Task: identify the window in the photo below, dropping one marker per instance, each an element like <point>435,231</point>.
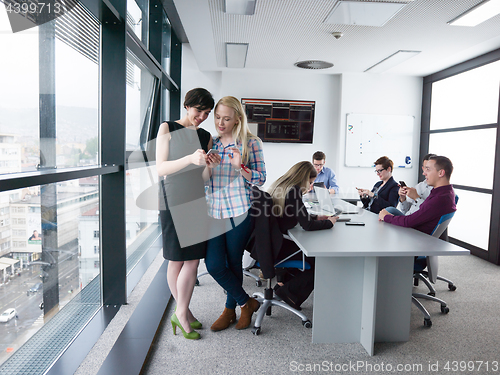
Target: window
<point>466,99</point>
<point>463,125</point>
<point>140,95</point>
<point>138,20</point>
<point>50,121</point>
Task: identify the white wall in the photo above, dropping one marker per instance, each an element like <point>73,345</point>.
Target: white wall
<point>335,96</point>
<point>385,95</point>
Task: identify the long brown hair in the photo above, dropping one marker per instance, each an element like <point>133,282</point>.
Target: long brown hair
<point>298,175</point>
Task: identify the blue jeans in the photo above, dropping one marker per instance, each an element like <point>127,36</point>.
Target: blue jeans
<point>394,211</point>
<point>224,257</point>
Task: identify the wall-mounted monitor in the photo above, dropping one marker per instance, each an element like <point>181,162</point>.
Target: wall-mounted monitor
<point>290,121</point>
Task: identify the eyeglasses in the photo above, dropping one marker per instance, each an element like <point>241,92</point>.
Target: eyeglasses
<point>379,171</point>
<point>319,165</point>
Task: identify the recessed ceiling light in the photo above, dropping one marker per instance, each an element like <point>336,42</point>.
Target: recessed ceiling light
<point>477,14</point>
<point>362,13</point>
<point>236,55</point>
<point>313,64</point>
<point>244,7</point>
<point>391,61</point>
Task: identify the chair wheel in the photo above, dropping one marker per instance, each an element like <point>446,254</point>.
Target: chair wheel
<point>452,287</point>
<point>307,324</point>
<point>258,283</point>
<point>427,323</point>
<point>256,331</point>
<point>433,294</point>
<point>445,309</point>
<point>197,283</point>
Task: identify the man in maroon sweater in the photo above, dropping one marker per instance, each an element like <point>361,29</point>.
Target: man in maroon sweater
<point>441,200</point>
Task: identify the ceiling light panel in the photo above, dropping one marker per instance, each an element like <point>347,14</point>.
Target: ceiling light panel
<point>391,61</point>
<point>236,55</point>
<point>363,13</point>
<point>244,7</point>
<point>477,14</point>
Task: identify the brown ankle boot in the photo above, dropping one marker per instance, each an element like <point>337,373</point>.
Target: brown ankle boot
<point>227,317</point>
<point>247,310</point>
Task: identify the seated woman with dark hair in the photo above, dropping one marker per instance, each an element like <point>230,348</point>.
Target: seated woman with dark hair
<point>287,192</point>
<point>385,192</point>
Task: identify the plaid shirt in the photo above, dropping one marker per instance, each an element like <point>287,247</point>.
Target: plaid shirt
<point>229,192</point>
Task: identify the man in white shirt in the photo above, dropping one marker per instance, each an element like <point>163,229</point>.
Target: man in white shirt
<point>410,198</point>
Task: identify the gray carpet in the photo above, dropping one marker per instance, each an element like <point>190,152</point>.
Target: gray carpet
<point>469,334</point>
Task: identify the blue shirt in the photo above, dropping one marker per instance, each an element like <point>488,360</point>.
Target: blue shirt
<point>327,176</point>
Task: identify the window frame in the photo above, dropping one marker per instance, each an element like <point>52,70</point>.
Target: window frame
<point>493,252</point>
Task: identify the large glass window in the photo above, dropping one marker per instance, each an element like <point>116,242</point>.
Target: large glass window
<point>469,99</point>
<point>466,99</point>
<point>19,98</point>
<point>70,101</point>
<point>138,19</point>
<point>53,245</point>
<point>140,96</point>
<point>471,150</point>
<point>50,260</point>
<point>142,210</point>
<point>471,223</point>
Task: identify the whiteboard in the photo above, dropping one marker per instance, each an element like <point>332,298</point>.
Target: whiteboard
<point>369,137</point>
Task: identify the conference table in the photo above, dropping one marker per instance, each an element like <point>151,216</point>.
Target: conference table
<point>363,277</point>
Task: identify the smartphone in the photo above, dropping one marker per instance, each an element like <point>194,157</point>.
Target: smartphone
<point>345,219</point>
<point>402,184</point>
<point>213,151</point>
<point>354,223</point>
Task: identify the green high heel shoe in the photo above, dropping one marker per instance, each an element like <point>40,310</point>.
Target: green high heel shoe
<point>194,325</point>
<point>175,323</point>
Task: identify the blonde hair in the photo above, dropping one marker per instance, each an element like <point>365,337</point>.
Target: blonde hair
<point>240,131</point>
<point>298,175</point>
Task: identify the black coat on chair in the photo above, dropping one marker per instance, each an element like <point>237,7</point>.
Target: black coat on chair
<point>266,238</point>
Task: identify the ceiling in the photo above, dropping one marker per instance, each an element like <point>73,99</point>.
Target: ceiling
<point>283,32</point>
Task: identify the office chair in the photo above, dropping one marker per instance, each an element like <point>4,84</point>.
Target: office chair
<point>421,274</point>
<point>268,298</point>
<point>431,263</point>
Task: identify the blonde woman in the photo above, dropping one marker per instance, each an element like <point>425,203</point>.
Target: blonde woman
<point>242,164</point>
<point>295,287</point>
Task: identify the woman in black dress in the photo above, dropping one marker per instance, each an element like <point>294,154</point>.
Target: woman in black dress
<point>183,165</point>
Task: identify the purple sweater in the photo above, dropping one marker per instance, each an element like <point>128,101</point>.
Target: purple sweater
<point>440,202</point>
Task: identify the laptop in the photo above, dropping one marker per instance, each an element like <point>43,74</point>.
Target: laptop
<point>324,207</point>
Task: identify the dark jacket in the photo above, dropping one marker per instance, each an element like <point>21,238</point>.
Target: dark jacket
<point>295,212</point>
<point>266,239</point>
<point>386,196</point>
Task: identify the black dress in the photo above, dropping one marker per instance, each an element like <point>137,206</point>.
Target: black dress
<point>182,198</point>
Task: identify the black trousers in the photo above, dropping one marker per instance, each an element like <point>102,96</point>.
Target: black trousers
<point>298,285</point>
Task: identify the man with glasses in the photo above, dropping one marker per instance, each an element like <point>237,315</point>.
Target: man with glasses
<point>325,174</point>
